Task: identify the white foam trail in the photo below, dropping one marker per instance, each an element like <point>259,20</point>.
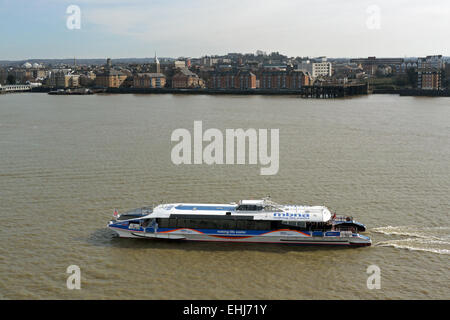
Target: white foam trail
<point>399,245</point>
<point>428,239</point>
<point>419,241</point>
<point>409,231</point>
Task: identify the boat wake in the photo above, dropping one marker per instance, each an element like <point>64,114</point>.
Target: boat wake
<point>431,239</point>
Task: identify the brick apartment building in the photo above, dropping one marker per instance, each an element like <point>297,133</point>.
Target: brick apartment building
<point>232,80</point>
<point>184,78</point>
<point>293,79</point>
<point>429,79</point>
<point>110,79</point>
<point>149,80</point>
<point>430,72</point>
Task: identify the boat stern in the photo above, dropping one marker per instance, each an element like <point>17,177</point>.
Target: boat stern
<point>360,240</point>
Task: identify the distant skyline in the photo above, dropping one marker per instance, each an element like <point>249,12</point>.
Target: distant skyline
<point>138,28</point>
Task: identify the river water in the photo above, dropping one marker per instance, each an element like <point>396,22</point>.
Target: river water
<point>66,162</point>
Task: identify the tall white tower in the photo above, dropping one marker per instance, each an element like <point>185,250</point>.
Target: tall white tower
<point>157,65</point>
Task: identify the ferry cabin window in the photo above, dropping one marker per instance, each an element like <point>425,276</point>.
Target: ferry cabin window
<point>162,222</point>
<point>172,223</point>
<point>182,223</point>
<point>252,225</point>
<point>249,207</point>
<point>166,223</point>
<point>204,224</point>
<point>301,224</point>
<point>222,224</point>
<point>231,224</point>
<point>241,224</point>
<point>263,225</point>
<point>293,225</point>
<point>145,223</point>
<point>196,224</point>
<point>207,224</point>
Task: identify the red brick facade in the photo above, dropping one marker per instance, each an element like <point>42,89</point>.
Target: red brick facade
<point>283,80</point>
<point>232,80</point>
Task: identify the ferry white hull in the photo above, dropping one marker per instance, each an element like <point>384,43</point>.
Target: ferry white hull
<point>275,237</point>
<point>250,221</point>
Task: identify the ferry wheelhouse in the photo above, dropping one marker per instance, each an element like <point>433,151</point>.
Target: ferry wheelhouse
<point>258,221</point>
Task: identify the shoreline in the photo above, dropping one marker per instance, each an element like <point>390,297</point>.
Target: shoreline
<point>320,92</point>
<point>306,92</point>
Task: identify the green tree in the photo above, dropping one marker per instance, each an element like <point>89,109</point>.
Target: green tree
<point>401,80</point>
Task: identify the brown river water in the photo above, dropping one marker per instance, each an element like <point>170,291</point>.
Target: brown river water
<point>67,161</point>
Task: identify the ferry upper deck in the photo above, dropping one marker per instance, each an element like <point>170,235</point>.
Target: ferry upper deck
<point>257,209</point>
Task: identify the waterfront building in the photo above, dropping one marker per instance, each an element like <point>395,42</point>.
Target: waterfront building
<point>370,64</point>
<point>405,66</point>
<point>21,75</point>
<point>294,79</point>
<point>149,80</point>
<point>194,62</point>
<point>321,68</point>
<point>110,79</point>
<point>3,76</point>
<point>430,70</point>
<point>346,71</point>
<point>87,79</point>
<point>184,78</point>
<point>71,81</point>
<point>384,70</point>
<point>232,80</point>
<point>318,68</point>
<point>274,67</point>
<point>429,79</point>
<point>245,80</point>
<point>62,78</point>
<point>431,62</point>
<point>446,77</point>
<point>39,73</point>
<point>179,64</point>
<point>209,61</point>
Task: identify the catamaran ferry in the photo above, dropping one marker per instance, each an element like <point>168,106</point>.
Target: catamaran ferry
<point>257,221</point>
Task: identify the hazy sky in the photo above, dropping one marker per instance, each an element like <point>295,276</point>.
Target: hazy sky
<point>138,28</point>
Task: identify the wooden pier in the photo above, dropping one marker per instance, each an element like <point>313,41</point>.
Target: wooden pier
<point>334,91</point>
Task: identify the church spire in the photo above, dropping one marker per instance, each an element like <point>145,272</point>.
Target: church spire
<point>157,66</point>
